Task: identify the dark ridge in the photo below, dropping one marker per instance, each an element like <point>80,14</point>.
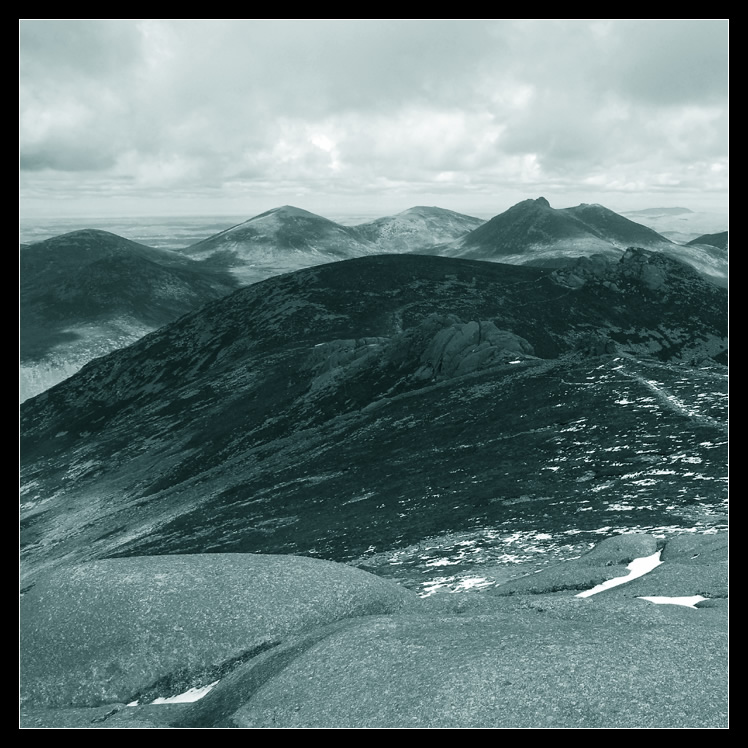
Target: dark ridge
<point>719,240</point>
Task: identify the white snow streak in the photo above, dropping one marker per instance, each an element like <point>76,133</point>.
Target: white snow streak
<point>688,601</point>
<point>193,694</point>
<point>637,568</point>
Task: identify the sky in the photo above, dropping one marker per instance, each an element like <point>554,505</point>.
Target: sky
<point>235,117</point>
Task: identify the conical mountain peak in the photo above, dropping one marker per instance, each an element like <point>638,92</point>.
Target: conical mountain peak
<point>279,240</point>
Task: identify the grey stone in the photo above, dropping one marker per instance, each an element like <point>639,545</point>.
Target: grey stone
<point>608,559</point>
<point>106,631</point>
<point>620,549</point>
<point>486,671</point>
<point>695,548</point>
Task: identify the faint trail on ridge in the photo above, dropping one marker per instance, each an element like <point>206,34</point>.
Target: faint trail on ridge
<point>674,403</point>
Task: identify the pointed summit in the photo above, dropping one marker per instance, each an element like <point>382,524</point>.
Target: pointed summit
<point>527,224</point>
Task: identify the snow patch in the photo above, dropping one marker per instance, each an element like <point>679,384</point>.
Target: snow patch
<point>193,694</point>
<point>637,568</point>
<point>688,601</point>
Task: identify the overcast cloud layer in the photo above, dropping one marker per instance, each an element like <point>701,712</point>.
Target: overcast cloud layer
<point>239,116</point>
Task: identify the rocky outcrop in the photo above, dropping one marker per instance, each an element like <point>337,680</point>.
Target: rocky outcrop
<point>605,561</point>
<point>582,270</point>
<point>462,348</point>
<point>533,667</point>
<point>119,630</point>
<point>692,565</point>
<point>439,347</point>
<point>296,642</point>
<point>647,269</point>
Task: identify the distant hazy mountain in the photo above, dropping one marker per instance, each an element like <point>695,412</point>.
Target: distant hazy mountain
<point>277,241</point>
<point>88,292</point>
<point>416,228</point>
<point>658,212</point>
<point>719,240</point>
<point>533,233</point>
<point>682,226</point>
<point>365,405</point>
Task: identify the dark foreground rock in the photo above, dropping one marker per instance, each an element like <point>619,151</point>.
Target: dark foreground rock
<point>349,650</point>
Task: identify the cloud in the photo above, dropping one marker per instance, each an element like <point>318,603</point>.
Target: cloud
<point>357,104</point>
<point>663,64</point>
<point>64,52</point>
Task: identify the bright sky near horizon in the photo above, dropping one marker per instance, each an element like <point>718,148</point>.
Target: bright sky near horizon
<point>170,116</point>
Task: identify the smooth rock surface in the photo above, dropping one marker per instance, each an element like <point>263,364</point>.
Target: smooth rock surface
<point>692,565</point>
<point>328,646</point>
<point>607,560</point>
<point>482,671</point>
<point>109,630</point>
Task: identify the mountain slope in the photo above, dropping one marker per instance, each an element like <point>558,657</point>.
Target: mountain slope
<point>416,228</point>
<point>712,264</point>
<point>615,228</point>
<point>367,404</point>
<point>277,241</point>
<point>88,292</point>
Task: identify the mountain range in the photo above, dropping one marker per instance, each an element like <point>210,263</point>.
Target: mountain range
<point>532,232</point>
<point>87,292</point>
<point>289,238</point>
<point>199,509</point>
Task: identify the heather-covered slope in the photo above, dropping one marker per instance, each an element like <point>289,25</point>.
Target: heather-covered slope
<point>361,406</point>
